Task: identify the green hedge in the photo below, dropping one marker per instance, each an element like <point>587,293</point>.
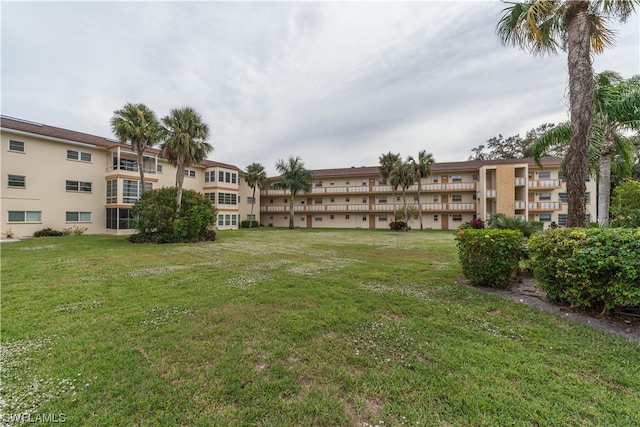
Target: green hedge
<point>245,224</point>
<point>490,257</point>
<point>584,267</point>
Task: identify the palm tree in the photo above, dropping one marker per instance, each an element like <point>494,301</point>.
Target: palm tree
<point>256,177</point>
<point>293,177</point>
<point>422,169</point>
<point>387,163</point>
<point>184,142</point>
<point>137,124</point>
<point>616,112</point>
<point>403,176</point>
<point>579,27</point>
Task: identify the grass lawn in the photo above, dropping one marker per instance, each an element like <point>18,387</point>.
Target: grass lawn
<point>276,327</point>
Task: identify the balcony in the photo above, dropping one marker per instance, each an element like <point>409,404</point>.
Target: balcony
<point>491,194</point>
<point>545,206</point>
<point>545,183</point>
<point>388,208</point>
<point>358,189</point>
<point>520,205</point>
<point>520,182</point>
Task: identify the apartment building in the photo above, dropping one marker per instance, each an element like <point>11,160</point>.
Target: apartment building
<point>454,193</point>
<point>59,178</point>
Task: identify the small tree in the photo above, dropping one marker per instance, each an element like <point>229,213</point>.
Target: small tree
<point>161,220</point>
<point>294,178</point>
<point>625,205</point>
<point>403,176</point>
<point>256,177</point>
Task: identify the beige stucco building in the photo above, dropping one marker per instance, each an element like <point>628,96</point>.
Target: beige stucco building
<point>454,193</point>
<point>58,178</point>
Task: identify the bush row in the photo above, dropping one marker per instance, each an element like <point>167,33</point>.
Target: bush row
<point>245,224</point>
<point>50,232</point>
<point>586,267</point>
<point>582,267</point>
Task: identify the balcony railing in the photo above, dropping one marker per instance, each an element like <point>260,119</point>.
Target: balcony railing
<point>520,205</point>
<point>455,186</point>
<point>545,206</point>
<point>491,194</point>
<point>445,207</point>
<point>544,183</point>
<point>520,181</point>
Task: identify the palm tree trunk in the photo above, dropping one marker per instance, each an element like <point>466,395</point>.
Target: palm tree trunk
<point>291,212</point>
<point>179,184</point>
<point>604,185</point>
<point>393,196</point>
<point>253,202</point>
<point>141,170</point>
<point>404,198</point>
<point>581,105</point>
<point>419,204</point>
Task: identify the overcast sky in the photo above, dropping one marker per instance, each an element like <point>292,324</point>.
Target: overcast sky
<point>336,83</point>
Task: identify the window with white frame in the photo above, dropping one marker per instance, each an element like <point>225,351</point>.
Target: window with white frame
<point>435,218</point>
<point>234,178</point>
<point>332,199</point>
<point>364,217</point>
<point>457,217</point>
<point>251,200</point>
<point>221,219</point>
<point>318,218</point>
<point>382,181</point>
<point>415,198</point>
<point>364,200</point>
<point>562,220</point>
<point>364,182</point>
<point>347,199</point>
<point>544,175</point>
<point>382,217</point>
<point>456,178</point>
<point>382,199</point>
<point>562,197</point>
<point>190,173</point>
<point>131,190</point>
<point>17,181</point>
<point>346,216</point>
<point>78,186</point>
<point>82,156</point>
<point>456,197</point>
<point>544,196</point>
<point>347,182</point>
<point>546,217</point>
<point>227,199</point>
<point>24,216</point>
<point>318,200</point>
<point>317,184</point>
<point>332,216</point>
<point>211,196</point>
<point>435,179</point>
<point>210,176</point>
<point>78,217</point>
<point>112,191</point>
<point>159,168</point>
<point>17,146</point>
<point>435,198</point>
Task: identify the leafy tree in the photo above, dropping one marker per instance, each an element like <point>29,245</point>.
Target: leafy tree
<point>184,142</point>
<point>616,112</point>
<point>293,177</point>
<point>137,124</point>
<point>160,219</point>
<point>403,176</point>
<point>387,163</point>
<point>514,147</point>
<point>579,27</point>
<point>422,169</point>
<point>256,177</point>
<point>625,205</point>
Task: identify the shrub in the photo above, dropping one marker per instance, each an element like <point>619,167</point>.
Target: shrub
<point>584,267</point>
<point>503,222</point>
<point>245,224</point>
<point>398,226</point>
<point>75,230</point>
<point>490,257</point>
<point>48,232</point>
<point>160,221</point>
<point>8,234</point>
<point>625,205</point>
<point>477,223</point>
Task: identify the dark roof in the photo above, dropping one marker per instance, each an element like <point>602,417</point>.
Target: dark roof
<point>435,168</point>
<point>85,138</point>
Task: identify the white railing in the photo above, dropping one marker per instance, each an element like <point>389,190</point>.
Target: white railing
<point>543,183</point>
<point>491,193</point>
<point>520,181</point>
<point>520,205</point>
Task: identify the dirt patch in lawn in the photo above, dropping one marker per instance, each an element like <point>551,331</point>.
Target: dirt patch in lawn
<point>524,289</point>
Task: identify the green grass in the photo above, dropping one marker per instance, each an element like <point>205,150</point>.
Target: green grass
<point>276,327</point>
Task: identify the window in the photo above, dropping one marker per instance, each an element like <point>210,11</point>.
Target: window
<point>227,219</point>
<point>78,217</point>
<point>475,177</point>
<point>456,198</point>
<point>159,168</point>
<point>456,178</point>
<point>112,191</point>
<point>190,173</point>
<point>251,200</point>
<point>562,197</point>
<point>234,219</point>
<point>346,216</point>
<point>347,199</point>
<point>221,179</point>
<point>397,198</point>
<point>251,217</point>
<point>332,199</point>
<point>435,198</point>
<point>457,217</point>
<point>435,218</point>
<point>364,217</point>
<point>545,217</point>
<point>234,180</point>
<point>80,186</point>
<point>227,199</point>
<point>227,178</point>
<point>318,218</point>
<point>331,217</point>
<point>331,182</point>
<point>221,219</point>
<point>415,198</point>
<point>544,175</point>
<point>364,200</point>
<point>587,196</point>
<point>382,218</point>
<point>561,176</point>
<point>210,176</point>
<point>270,200</point>
<point>317,184</point>
<point>78,155</point>
<point>364,182</point>
<point>435,179</point>
<point>562,220</point>
<point>25,216</point>
<point>347,182</point>
<point>382,181</point>
<point>211,196</point>
<point>17,181</point>
<point>544,196</point>
<point>131,190</point>
<point>382,199</point>
<point>16,145</point>
<point>318,200</point>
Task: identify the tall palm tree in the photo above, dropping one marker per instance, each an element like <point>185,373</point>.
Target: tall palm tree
<point>137,124</point>
<point>293,177</point>
<point>387,163</point>
<point>256,177</point>
<point>616,112</point>
<point>422,169</point>
<point>579,27</point>
<point>184,142</point>
<point>403,176</point>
